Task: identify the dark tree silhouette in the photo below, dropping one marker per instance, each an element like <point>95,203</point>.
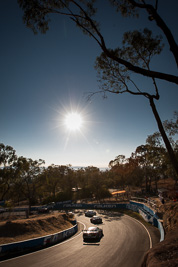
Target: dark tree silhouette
<point>134,57</point>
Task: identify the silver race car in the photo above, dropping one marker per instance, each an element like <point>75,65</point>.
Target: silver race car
<point>92,233</point>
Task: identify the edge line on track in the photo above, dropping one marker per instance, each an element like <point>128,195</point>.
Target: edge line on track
<point>143,227</point>
<point>52,246</point>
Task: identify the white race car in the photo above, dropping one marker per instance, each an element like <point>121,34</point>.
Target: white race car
<point>92,233</point>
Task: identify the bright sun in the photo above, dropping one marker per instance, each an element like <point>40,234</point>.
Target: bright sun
<point>73,121</point>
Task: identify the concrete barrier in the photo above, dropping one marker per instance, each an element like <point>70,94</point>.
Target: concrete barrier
<point>36,243</point>
<point>147,213</point>
<point>150,216</point>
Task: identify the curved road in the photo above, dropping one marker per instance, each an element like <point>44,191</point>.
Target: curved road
<point>124,244</point>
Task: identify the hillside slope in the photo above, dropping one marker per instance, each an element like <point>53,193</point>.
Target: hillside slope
<point>16,229</point>
<point>165,253</point>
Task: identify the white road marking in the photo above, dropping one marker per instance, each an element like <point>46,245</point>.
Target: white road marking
<point>63,242</point>
<point>52,246</point>
<point>143,227</point>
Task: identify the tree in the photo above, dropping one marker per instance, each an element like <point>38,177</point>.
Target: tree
<point>81,12</point>
<point>120,159</point>
<point>7,155</point>
<point>161,156</point>
<point>94,183</point>
<point>119,168</point>
<point>114,78</point>
<point>7,159</point>
<point>67,178</point>
<point>82,183</point>
<point>115,65</point>
<point>27,172</point>
<point>142,156</point>
<point>52,178</point>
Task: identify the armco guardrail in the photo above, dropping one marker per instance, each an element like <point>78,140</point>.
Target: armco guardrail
<point>36,243</point>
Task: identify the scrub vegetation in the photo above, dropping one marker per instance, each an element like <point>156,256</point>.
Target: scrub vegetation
<point>18,229</point>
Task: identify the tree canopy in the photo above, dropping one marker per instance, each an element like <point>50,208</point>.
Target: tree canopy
<point>36,16</point>
<point>26,179</point>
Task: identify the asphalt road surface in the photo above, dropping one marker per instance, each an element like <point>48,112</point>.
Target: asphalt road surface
<point>124,244</point>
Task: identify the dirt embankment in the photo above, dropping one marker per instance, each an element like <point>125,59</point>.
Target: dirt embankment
<point>165,253</point>
<point>16,229</point>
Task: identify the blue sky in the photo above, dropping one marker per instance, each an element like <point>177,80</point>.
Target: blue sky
<point>44,77</point>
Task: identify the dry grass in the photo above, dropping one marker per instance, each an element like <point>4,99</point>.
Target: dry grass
<point>16,229</point>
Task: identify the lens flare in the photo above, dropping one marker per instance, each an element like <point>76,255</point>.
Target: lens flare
<point>73,121</point>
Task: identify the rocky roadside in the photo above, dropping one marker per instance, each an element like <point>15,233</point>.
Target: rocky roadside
<point>165,253</point>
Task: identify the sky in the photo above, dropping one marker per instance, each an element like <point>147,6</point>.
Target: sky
<point>45,77</point>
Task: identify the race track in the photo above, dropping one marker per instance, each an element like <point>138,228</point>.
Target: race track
<point>124,244</point>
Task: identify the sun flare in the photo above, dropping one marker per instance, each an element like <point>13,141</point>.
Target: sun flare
<point>73,121</point>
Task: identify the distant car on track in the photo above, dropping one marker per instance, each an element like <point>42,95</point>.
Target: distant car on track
<point>92,233</point>
<point>96,219</point>
<point>90,213</point>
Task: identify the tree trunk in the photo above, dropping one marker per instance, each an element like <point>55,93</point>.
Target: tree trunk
<point>164,136</point>
<point>5,192</point>
<point>156,183</point>
<point>146,183</point>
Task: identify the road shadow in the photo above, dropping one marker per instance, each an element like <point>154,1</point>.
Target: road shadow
<point>110,215</point>
<point>98,224</point>
<point>91,243</point>
<point>79,213</point>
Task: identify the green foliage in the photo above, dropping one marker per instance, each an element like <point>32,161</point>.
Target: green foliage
<point>48,199</point>
<point>26,179</point>
<point>7,155</point>
<point>59,197</point>
<point>149,162</point>
<point>7,174</point>
<point>84,193</point>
